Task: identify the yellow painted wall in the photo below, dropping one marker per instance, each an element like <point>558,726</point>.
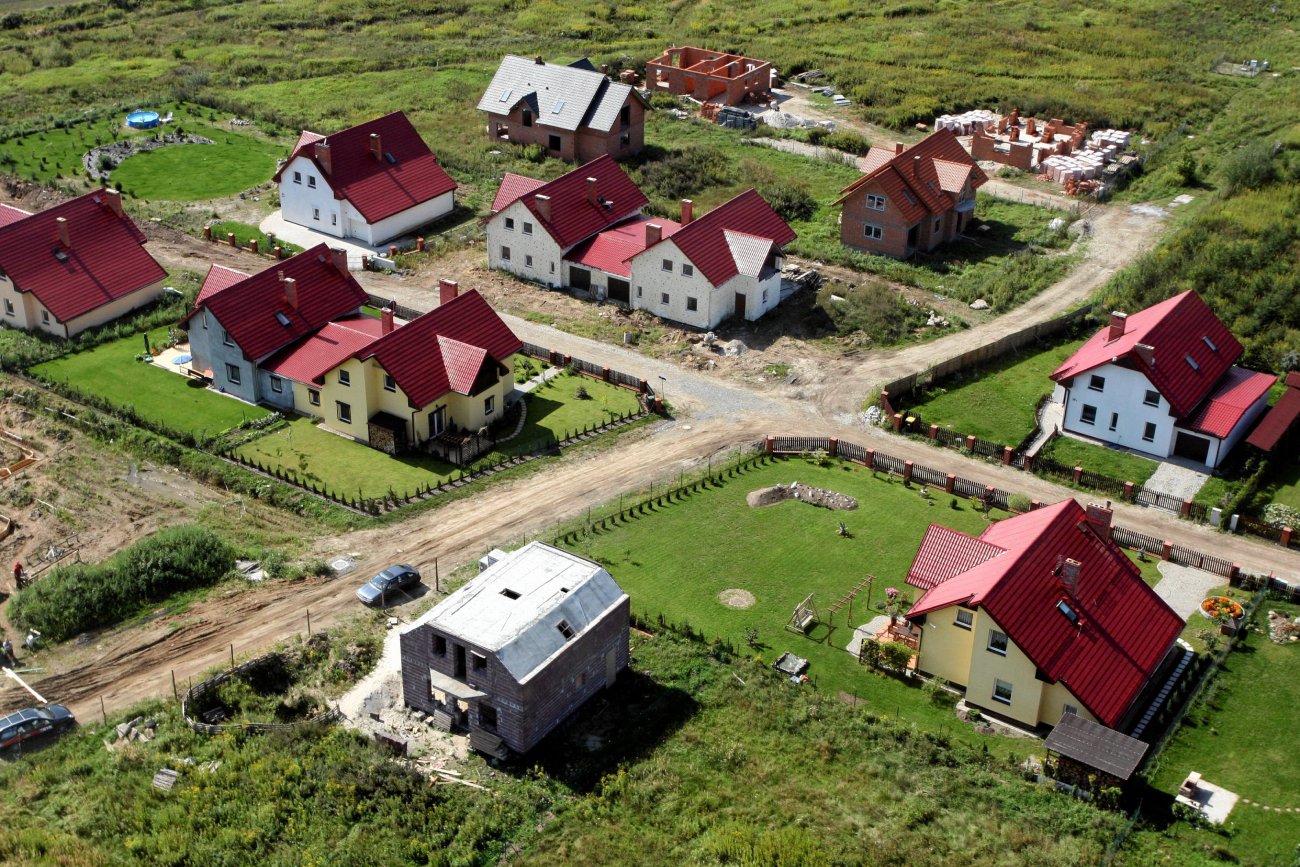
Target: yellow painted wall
<point>1053,701</point>
<point>27,310</point>
<point>302,400</point>
<point>946,647</point>
<point>356,395</point>
<point>1015,668</point>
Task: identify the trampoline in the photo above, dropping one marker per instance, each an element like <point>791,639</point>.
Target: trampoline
<point>142,119</point>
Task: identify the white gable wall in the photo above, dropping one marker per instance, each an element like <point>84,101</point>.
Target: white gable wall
<point>314,208</point>
<point>401,223</point>
<point>547,267</point>
<point>1122,395</point>
<point>650,282</point>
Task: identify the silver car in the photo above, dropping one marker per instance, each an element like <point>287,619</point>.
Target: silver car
<point>377,589</point>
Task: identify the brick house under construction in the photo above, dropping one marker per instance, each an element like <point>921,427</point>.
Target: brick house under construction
<point>911,199</point>
<point>705,75</point>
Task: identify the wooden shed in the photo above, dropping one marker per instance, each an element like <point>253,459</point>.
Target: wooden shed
<point>1091,755</point>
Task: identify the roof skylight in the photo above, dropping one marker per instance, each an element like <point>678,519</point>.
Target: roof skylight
<point>1070,614</point>
<point>1191,362</point>
<point>281,318</point>
<point>1210,343</point>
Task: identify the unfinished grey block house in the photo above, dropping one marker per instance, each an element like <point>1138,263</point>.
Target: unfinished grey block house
<point>514,652</point>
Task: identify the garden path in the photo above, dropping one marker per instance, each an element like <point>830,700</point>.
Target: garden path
<point>1177,480</point>
<point>1183,588</point>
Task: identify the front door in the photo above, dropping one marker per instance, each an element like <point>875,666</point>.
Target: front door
<point>620,290</point>
<point>740,305</point>
<point>611,666</point>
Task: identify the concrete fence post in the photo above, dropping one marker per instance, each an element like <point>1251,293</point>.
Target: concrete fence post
<point>833,447</point>
<point>1007,453</point>
<point>1286,537</point>
<point>230,239</point>
<point>950,483</point>
<point>252,245</point>
<point>604,373</point>
<point>279,252</point>
<point>898,422</point>
<point>1234,571</point>
<point>1166,550</point>
<point>884,400</point>
<point>1128,491</point>
<point>392,250</point>
<point>769,445</point>
<point>1029,463</point>
<point>970,443</point>
<point>1185,509</point>
<point>907,471</point>
<point>934,431</point>
<point>870,460</point>
<point>989,491</point>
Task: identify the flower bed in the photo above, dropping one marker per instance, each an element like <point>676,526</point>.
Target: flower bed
<point>1221,606</point>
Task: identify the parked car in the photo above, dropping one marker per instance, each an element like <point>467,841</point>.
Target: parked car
<point>400,577</point>
<point>34,727</point>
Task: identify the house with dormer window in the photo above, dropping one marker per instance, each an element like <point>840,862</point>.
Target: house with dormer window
<point>514,652</point>
<point>1042,615</point>
<point>373,182</point>
<point>910,199</point>
<point>1163,381</point>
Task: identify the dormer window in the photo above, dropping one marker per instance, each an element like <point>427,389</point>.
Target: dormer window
<point>1191,362</point>
<point>1070,614</point>
<point>1210,343</point>
<point>565,629</point>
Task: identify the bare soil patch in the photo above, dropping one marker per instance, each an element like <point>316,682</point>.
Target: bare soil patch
<point>803,493</point>
<point>736,598</point>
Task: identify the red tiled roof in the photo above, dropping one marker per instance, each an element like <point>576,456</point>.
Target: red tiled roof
<point>376,186</point>
<point>573,217</point>
<point>946,553</point>
<point>1123,631</point>
<point>512,187</point>
<point>106,261</point>
<point>932,172</point>
<point>1235,394</point>
<point>247,309</point>
<point>10,214</point>
<point>611,250</point>
<point>218,278</point>
<point>426,366</point>
<point>325,349</point>
<point>1176,329</point>
<point>704,241</point>
<point>1280,418</point>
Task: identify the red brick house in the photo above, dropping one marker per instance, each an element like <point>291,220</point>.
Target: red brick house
<point>711,75</point>
<point>576,112</point>
<point>912,198</point>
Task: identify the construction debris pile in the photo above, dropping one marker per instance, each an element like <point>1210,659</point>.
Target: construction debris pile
<point>138,729</point>
<point>965,123</point>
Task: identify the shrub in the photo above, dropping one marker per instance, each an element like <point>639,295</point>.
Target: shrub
<point>82,596</point>
<point>1281,515</point>
<point>682,173</point>
<point>791,199</point>
<point>936,690</point>
<point>1019,503</point>
<point>1249,167</point>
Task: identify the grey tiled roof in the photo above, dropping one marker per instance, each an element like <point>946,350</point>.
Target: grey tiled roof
<point>564,97</point>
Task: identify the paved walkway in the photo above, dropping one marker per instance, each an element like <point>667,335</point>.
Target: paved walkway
<point>1050,420</point>
<point>1183,587</point>
<point>304,237</point>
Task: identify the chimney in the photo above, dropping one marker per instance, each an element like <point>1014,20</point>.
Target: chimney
<point>899,147</point>
<point>114,200</point>
<point>1117,321</point>
<point>591,191</point>
<point>1099,518</point>
<point>1014,132</point>
<point>291,292</point>
<point>1146,353</point>
<point>688,212</point>
<point>376,146</point>
<point>538,60</point>
<point>447,291</point>
<point>653,232</point>
<point>604,69</point>
<point>340,259</point>
<point>916,167</point>
<point>323,157</point>
<point>1070,574</point>
<point>543,203</point>
<point>63,232</point>
<point>386,321</point>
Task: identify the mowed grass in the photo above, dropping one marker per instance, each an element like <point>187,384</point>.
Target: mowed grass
<point>675,561</point>
<point>1282,485</point>
<point>315,456</point>
<point>1099,459</point>
<point>995,402</point>
<point>111,371</point>
<point>1237,738</point>
<point>188,172</point>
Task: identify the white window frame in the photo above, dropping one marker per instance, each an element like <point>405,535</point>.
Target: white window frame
<point>510,224</point>
<point>872,231</point>
<point>665,299</point>
<point>528,261</point>
<point>343,411</point>
<point>692,304</point>
<point>277,384</point>
<point>311,182</point>
<point>876,202</point>
<point>505,253</point>
<point>345,378</point>
<point>1146,398</point>
<point>1149,432</point>
<point>297,177</point>
<point>225,338</point>
<point>667,265</point>
<point>964,619</point>
<point>233,376</point>
<point>1114,420</point>
<point>1000,685</point>
<point>313,396</point>
<point>688,270</point>
<point>390,384</point>
<point>1097,383</point>
<point>45,317</point>
<point>489,404</point>
<point>10,311</point>
<point>1084,414</point>
<point>315,214</point>
<point>989,644</point>
<point>528,228</point>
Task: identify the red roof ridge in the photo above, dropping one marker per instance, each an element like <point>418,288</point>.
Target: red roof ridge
<point>939,146</point>
<point>572,217</point>
<point>703,240</point>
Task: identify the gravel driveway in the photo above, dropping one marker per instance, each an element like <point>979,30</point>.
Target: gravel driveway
<point>1183,587</point>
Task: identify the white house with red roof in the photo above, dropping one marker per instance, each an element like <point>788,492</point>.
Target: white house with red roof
<point>239,321</point>
<point>1043,615</point>
<point>74,266</point>
<point>585,231</point>
<point>373,182</point>
<point>910,199</point>
<point>1162,382</point>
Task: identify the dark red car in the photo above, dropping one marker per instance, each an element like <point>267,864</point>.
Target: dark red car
<point>30,729</point>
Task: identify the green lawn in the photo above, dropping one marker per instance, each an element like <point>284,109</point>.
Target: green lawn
<point>1237,737</point>
<point>112,372</point>
<point>675,560</point>
<point>1098,459</point>
<point>1282,485</point>
<point>995,402</point>
<point>183,173</point>
<point>351,469</point>
<point>244,232</point>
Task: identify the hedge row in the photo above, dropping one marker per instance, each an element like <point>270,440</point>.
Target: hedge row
<point>82,596</point>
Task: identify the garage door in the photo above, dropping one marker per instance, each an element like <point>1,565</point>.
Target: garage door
<point>1191,447</point>
<point>619,290</point>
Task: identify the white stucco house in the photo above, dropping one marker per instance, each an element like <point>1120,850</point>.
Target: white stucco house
<point>585,231</point>
<point>1162,381</point>
<point>372,182</point>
